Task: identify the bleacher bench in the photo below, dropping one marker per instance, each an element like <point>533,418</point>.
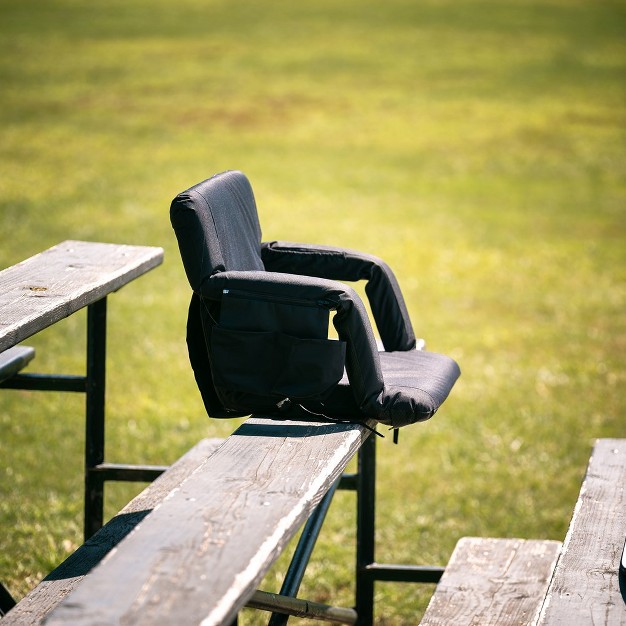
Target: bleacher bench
<point>493,582</point>
<point>513,582</point>
<point>35,606</point>
<point>587,588</point>
<point>201,554</point>
<point>223,513</point>
<point>12,361</point>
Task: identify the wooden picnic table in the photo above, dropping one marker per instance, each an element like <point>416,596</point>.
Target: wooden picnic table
<point>50,286</point>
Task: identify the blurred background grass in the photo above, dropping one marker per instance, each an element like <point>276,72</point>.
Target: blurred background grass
<point>478,146</point>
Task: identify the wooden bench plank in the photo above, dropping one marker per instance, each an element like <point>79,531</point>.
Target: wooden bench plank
<point>493,582</point>
<point>15,359</point>
<point>61,280</point>
<point>58,584</point>
<point>586,588</point>
<point>199,557</point>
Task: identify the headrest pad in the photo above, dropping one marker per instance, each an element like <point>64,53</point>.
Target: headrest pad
<point>217,227</point>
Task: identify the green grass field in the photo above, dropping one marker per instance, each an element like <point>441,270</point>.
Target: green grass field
<point>478,146</point>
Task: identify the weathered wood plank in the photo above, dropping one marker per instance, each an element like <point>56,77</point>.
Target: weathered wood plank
<point>58,584</point>
<point>493,582</point>
<point>63,279</point>
<point>585,589</point>
<point>15,359</point>
<point>199,557</point>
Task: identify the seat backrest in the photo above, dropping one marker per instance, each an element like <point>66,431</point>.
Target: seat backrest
<point>217,227</point>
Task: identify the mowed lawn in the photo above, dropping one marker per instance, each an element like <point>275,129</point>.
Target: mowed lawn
<point>478,146</point>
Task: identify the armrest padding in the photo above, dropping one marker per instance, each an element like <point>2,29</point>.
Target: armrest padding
<point>382,289</point>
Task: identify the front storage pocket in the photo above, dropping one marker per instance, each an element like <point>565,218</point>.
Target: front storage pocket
<point>249,365</point>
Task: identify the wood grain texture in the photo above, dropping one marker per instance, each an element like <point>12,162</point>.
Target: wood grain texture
<point>53,284</point>
<point>493,582</point>
<point>585,589</point>
<point>58,584</point>
<point>200,555</point>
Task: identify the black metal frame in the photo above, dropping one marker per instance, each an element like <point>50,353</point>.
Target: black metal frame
<point>368,571</point>
<point>93,385</point>
<point>6,601</point>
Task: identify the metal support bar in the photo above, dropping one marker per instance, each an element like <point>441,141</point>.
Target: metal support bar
<point>128,473</point>
<point>94,435</point>
<point>404,573</point>
<point>46,382</point>
<point>367,570</point>
<point>93,385</point>
<point>348,482</point>
<point>6,600</point>
<point>301,608</point>
<point>303,551</point>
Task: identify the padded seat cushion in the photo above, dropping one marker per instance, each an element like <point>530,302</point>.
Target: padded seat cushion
<point>217,227</point>
<point>416,384</point>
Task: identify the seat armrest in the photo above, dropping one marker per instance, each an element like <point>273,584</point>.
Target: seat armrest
<point>351,320</point>
<point>273,284</point>
<point>382,289</point>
